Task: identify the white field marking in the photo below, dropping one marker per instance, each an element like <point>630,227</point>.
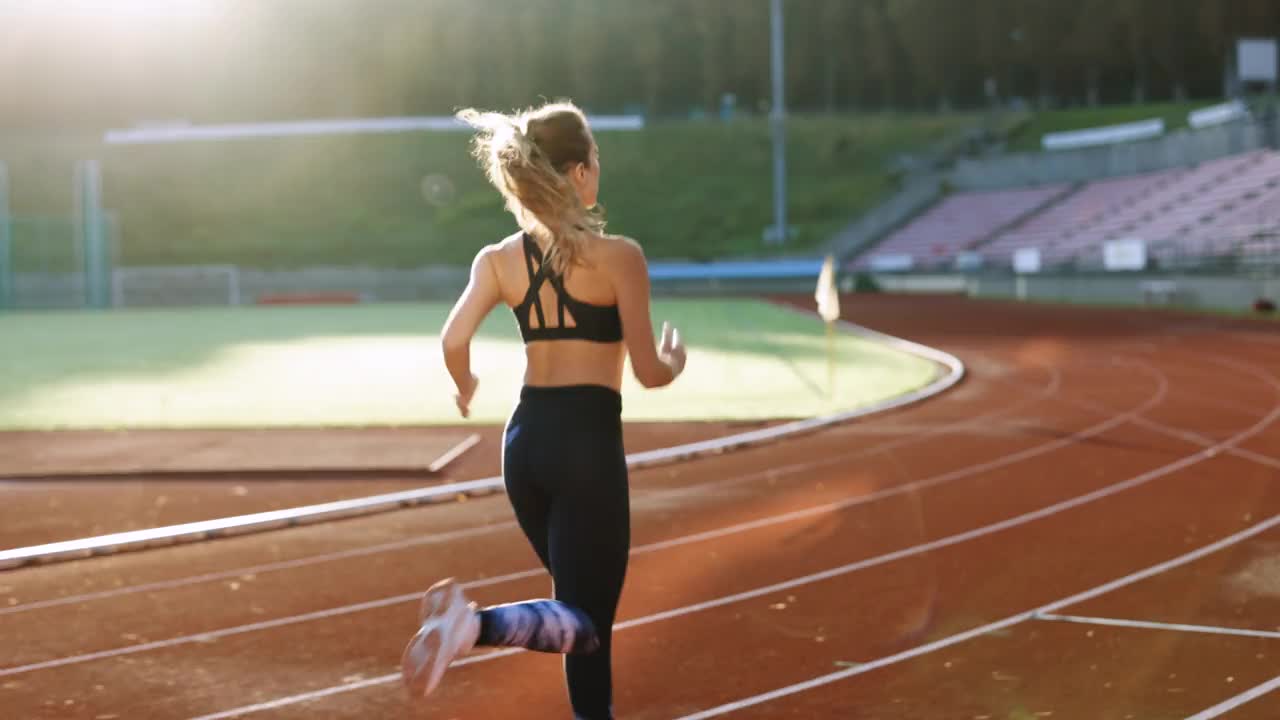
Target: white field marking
<point>264,568</point>
<point>958,638</point>
<point>1149,625</point>
<point>1230,704</point>
<point>348,687</point>
<point>1049,390</point>
<point>880,560</point>
<point>1051,607</point>
<point>946,642</point>
<point>254,627</point>
<point>767,521</point>
<point>1187,435</point>
<point>355,507</point>
<point>238,524</point>
<point>454,453</point>
<point>1205,441</point>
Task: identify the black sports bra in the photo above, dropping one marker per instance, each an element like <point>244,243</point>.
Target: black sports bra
<point>594,323</point>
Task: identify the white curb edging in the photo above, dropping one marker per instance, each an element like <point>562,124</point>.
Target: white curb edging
<point>341,509</point>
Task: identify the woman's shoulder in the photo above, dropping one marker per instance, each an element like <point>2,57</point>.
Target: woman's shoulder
<point>511,244</point>
<point>619,257</point>
<point>620,245</point>
<point>514,240</point>
<point>496,256</point>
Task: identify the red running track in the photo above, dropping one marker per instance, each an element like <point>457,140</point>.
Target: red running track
<point>1088,527</point>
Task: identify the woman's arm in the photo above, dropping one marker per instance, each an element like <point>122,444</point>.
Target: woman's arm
<point>630,274</point>
<point>480,297</point>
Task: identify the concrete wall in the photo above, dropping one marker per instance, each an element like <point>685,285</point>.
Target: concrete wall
<point>1193,291</point>
<point>939,283</point>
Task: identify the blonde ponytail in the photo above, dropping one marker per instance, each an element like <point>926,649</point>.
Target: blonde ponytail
<point>526,157</point>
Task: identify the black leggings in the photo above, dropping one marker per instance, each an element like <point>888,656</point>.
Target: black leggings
<point>566,477</point>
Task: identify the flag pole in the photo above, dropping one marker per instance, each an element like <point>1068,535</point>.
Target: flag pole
<point>828,298</point>
<point>831,360</point>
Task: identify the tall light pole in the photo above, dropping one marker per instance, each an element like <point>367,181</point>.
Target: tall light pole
<point>777,121</point>
<point>6,241</point>
<point>92,234</point>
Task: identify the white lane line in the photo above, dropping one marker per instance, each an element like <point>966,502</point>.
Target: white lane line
<point>1015,619</point>
<point>723,709</point>
<point>1230,704</point>
<point>264,568</point>
<point>1190,436</point>
<point>321,693</point>
<point>348,687</point>
<point>1149,625</point>
<point>1205,441</point>
<point>220,527</point>
<point>1050,389</point>
<point>890,557</point>
<point>958,638</point>
<point>767,521</point>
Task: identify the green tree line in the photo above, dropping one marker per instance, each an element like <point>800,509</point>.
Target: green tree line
<point>232,60</point>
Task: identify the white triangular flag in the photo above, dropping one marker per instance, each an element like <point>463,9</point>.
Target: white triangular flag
<point>827,296</point>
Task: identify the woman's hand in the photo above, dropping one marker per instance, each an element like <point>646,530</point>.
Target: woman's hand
<point>671,350</point>
<point>464,395</point>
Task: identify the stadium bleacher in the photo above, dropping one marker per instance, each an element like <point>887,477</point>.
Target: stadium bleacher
<point>1210,209</point>
<point>958,223</point>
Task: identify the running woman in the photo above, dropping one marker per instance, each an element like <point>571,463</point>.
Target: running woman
<point>581,300</point>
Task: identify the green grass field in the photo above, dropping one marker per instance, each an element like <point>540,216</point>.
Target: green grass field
<point>380,365</point>
<point>1027,138</point>
<point>686,190</point>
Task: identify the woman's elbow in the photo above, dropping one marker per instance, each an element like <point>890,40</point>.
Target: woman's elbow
<point>453,343</point>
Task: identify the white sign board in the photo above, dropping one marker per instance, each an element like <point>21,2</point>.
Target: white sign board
<point>1127,254</point>
<point>1026,260</point>
<point>1256,59</point>
<point>969,260</point>
<point>892,263</point>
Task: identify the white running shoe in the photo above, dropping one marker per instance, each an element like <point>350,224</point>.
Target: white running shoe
<point>448,629</point>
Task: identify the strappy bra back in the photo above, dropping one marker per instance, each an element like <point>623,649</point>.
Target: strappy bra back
<point>593,323</point>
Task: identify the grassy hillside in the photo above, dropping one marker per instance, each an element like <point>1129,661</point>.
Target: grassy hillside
<point>685,190</point>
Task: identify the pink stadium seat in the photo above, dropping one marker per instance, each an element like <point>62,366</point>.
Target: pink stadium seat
<point>1180,213</point>
<point>960,221</point>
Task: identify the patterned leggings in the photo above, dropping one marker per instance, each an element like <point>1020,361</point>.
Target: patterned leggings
<point>543,625</point>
